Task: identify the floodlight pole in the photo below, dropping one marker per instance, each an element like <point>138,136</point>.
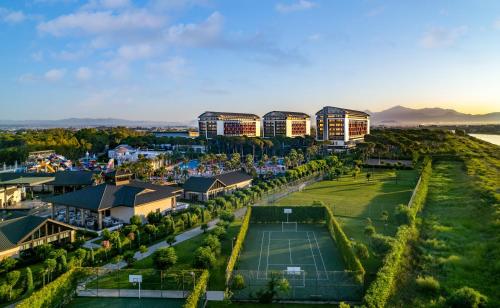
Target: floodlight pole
<point>139,290</point>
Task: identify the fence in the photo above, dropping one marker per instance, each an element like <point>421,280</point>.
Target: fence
<point>317,286</point>
<point>103,282</point>
<point>274,195</point>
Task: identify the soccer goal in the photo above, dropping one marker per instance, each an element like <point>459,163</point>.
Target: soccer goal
<point>288,226</point>
<point>295,276</point>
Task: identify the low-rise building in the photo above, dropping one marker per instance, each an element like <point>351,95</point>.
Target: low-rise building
<point>286,124</point>
<point>342,128</point>
<point>198,188</point>
<point>120,198</point>
<point>125,153</point>
<point>212,124</point>
<point>177,133</point>
<point>26,232</point>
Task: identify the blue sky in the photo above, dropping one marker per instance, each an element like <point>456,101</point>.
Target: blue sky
<point>172,60</point>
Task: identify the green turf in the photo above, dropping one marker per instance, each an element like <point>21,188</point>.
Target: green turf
<point>459,240</point>
<point>357,197</point>
<point>83,302</point>
<point>258,305</point>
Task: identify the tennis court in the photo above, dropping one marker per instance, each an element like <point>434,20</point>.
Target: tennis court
<point>304,254</point>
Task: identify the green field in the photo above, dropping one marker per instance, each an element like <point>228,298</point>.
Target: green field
<point>358,197</point>
<point>354,199</point>
<point>184,252</point>
<point>98,302</point>
<point>459,241</point>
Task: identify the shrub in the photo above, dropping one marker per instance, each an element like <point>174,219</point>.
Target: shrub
<point>361,251</point>
<point>29,281</point>
<point>428,284</point>
<point>466,297</point>
<point>403,215</point>
<point>165,257</point>
<point>227,216</point>
<point>238,282</point>
<point>204,257</point>
<point>238,245</point>
<point>381,243</point>
<point>198,290</point>
<point>136,220</point>
<point>219,232</point>
<point>213,242</point>
<point>204,227</point>
<point>370,230</point>
<point>143,248</point>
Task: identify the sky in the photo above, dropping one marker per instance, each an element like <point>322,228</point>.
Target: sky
<point>171,60</point>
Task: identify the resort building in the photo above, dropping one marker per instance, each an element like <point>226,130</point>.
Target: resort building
<point>125,153</point>
<point>25,232</point>
<point>212,124</point>
<point>286,124</point>
<point>177,134</point>
<point>199,188</point>
<point>119,198</point>
<point>343,128</point>
<point>14,186</point>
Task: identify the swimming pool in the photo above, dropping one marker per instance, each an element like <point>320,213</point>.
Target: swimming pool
<point>192,164</point>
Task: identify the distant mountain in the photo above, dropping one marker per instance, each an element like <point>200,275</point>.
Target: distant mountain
<point>87,122</point>
<point>404,116</point>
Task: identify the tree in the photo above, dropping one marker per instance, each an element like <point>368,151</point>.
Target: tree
<point>204,258</point>
<point>50,266</point>
<point>275,286</point>
<point>220,232</point>
<point>164,258</point>
<point>170,240</point>
<point>12,278</point>
<point>43,251</point>
<point>143,248</point>
<point>128,256</point>
<point>136,220</point>
<point>227,216</point>
<point>361,251</point>
<point>204,227</point>
<point>7,264</point>
<point>29,281</point>
<point>403,215</point>
<point>368,176</point>
<point>238,282</point>
<point>467,297</point>
<point>63,263</point>
<point>80,255</point>
<point>213,242</point>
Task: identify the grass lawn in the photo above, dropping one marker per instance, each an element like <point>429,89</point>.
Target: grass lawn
<point>257,305</point>
<point>354,199</point>
<point>459,244</point>
<point>185,251</point>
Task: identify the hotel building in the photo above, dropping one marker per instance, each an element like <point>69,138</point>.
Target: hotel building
<point>343,128</point>
<point>212,124</point>
<point>287,124</point>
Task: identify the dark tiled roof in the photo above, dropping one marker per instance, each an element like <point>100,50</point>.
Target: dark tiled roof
<point>60,177</point>
<point>229,115</point>
<point>199,184</point>
<point>329,109</point>
<point>105,196</point>
<point>13,230</point>
<point>203,184</point>
<point>234,177</point>
<point>287,114</point>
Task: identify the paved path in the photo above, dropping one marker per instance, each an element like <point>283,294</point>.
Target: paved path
<point>132,293</point>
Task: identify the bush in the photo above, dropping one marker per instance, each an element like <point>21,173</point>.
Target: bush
<point>238,282</point>
<point>219,232</point>
<point>403,215</point>
<point>361,251</point>
<point>213,243</point>
<point>227,216</point>
<point>204,257</point>
<point>198,290</point>
<point>466,297</point>
<point>238,245</point>
<point>381,244</point>
<point>165,257</point>
<point>136,220</point>
<point>428,284</point>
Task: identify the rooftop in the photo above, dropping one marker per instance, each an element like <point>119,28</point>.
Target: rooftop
<point>287,114</point>
<point>338,110</point>
<point>223,115</point>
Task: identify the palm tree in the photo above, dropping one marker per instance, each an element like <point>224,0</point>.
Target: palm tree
<point>185,173</point>
<point>215,169</point>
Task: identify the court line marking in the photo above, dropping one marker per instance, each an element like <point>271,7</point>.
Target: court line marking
<point>290,251</point>
<point>268,243</point>
<point>312,253</point>
<point>321,256</point>
<point>281,264</point>
<point>260,256</point>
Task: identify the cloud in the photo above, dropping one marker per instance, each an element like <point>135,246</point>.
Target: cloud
<point>102,23</point>
<point>174,67</point>
<point>439,37</point>
<point>300,5</point>
<point>37,56</point>
<point>54,75</point>
<point>11,17</point>
<point>314,37</point>
<point>202,34</point>
<point>106,4</point>
<point>83,73</point>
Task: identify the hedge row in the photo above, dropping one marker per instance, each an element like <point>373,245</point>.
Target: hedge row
<point>303,214</point>
<point>350,259</point>
<point>238,245</point>
<point>382,287</point>
<point>199,289</point>
<point>56,293</point>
